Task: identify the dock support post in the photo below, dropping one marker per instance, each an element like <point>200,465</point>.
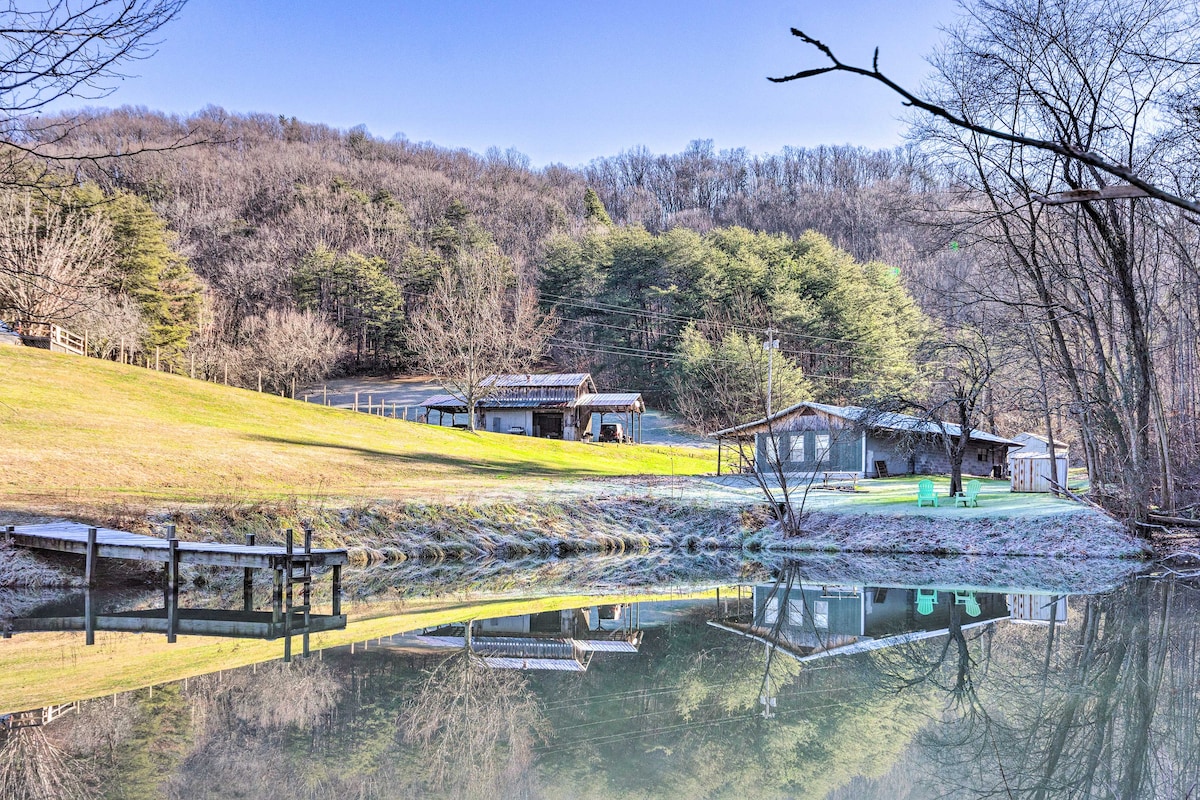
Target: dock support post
<point>89,618</point>
<point>89,565</point>
<point>277,596</point>
<point>289,546</point>
<point>172,585</point>
<point>337,590</point>
<point>248,580</point>
<point>306,591</point>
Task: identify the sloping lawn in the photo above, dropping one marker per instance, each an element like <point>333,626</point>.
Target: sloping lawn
<point>75,431</point>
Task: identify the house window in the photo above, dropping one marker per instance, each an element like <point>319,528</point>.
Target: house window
<point>797,448</point>
<point>771,611</point>
<point>821,448</point>
<point>821,614</point>
<point>796,611</point>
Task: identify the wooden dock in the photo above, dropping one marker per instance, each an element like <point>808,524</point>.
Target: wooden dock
<point>73,537</point>
<point>291,566</point>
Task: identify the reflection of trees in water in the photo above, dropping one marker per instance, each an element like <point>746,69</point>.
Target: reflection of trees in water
<point>32,767</point>
<point>1104,707</point>
<point>474,728</point>
<point>253,730</point>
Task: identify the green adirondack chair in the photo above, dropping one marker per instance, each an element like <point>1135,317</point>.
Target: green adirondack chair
<point>970,496</point>
<point>925,600</point>
<point>925,493</point>
<point>969,602</point>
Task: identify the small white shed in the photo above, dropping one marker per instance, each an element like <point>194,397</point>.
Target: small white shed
<point>1031,472</point>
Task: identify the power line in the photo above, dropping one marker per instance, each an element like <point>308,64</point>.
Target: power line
<point>652,355</point>
<point>596,305</point>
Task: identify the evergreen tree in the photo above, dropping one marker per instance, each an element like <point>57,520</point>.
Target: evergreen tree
<point>594,210</point>
<point>356,292</point>
<point>147,268</point>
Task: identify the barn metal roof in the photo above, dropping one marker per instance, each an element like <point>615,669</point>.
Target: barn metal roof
<point>551,664</point>
<point>625,401</point>
<point>530,379</point>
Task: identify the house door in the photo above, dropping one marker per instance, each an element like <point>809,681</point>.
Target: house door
<point>548,426</point>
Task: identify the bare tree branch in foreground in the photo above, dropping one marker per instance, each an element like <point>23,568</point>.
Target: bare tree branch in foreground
<point>1067,150</point>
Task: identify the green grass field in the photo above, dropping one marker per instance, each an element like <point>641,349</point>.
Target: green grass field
<point>77,431</point>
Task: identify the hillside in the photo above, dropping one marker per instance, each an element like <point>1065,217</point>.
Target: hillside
<point>76,431</point>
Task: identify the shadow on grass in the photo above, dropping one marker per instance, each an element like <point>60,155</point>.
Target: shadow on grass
<point>480,467</point>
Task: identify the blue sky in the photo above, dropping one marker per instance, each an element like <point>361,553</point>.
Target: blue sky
<point>559,81</point>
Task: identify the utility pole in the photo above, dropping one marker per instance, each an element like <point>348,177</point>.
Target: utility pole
<point>770,345</point>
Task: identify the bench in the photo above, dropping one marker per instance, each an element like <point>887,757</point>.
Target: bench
<point>841,481</point>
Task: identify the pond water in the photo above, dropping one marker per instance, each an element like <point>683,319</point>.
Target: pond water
<point>804,678</point>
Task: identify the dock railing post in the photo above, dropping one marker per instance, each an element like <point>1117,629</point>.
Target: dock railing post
<point>9,530</point>
<point>248,580</point>
<point>337,590</point>
<point>89,566</point>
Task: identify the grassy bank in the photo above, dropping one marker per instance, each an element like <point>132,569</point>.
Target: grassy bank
<point>78,433</point>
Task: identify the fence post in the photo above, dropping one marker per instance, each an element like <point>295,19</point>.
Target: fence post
<point>325,394</point>
<point>157,354</point>
<point>192,372</point>
<point>260,380</point>
<point>356,401</point>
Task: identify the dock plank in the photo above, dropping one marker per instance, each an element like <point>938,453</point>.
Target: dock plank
<point>72,537</point>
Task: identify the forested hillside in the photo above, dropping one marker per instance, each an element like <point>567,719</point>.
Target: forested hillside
<point>291,227</point>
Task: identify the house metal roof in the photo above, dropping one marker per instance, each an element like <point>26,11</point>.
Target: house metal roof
<point>881,420</point>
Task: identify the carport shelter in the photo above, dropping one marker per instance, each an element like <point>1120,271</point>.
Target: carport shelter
<point>552,406</point>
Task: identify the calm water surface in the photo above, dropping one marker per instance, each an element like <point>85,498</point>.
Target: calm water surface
<point>785,682</point>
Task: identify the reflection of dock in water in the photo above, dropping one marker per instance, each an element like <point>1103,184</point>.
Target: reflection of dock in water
<point>292,568</point>
<point>560,641</point>
<point>181,621</point>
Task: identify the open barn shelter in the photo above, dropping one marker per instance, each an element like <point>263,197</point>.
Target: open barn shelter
<point>812,437</point>
<point>550,406</point>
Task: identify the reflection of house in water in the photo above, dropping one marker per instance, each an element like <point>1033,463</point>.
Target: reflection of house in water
<point>1038,609</point>
<point>813,622</point>
<point>563,640</point>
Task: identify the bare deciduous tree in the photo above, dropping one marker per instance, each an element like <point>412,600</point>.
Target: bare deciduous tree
<point>52,262</point>
<point>288,345</point>
<point>475,324</point>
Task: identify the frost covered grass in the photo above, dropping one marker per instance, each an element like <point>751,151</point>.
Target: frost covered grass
<point>656,527</point>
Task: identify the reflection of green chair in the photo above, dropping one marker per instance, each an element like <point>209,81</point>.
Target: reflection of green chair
<point>925,493</point>
<point>968,601</point>
<point>925,600</point>
<point>970,497</point>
